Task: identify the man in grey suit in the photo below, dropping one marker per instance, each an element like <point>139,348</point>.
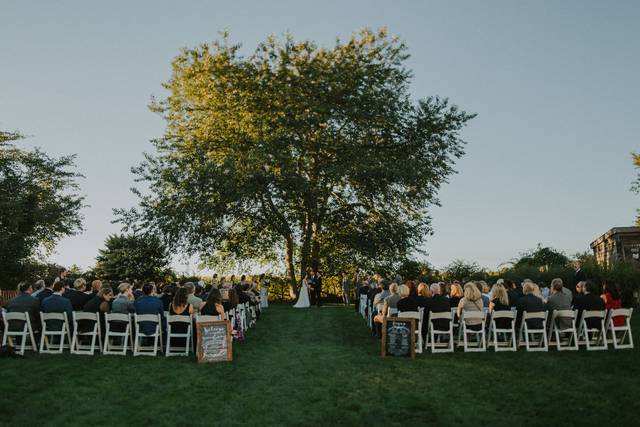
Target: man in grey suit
<point>559,300</point>
<point>25,303</point>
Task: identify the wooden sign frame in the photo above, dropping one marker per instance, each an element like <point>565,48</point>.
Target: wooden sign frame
<point>200,325</point>
<point>412,339</point>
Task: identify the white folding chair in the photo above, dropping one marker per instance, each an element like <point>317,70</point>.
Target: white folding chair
<point>61,334</point>
<point>138,348</point>
<point>613,330</point>
<point>465,331</point>
<point>26,333</point>
<point>593,338</point>
<point>418,317</point>
<point>363,305</point>
<point>528,334</point>
<point>433,333</point>
<point>172,321</point>
<point>76,346</point>
<point>556,333</point>
<point>508,344</point>
<point>391,311</point>
<point>114,322</point>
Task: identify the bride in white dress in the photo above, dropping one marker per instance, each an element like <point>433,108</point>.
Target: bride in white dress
<point>303,297</point>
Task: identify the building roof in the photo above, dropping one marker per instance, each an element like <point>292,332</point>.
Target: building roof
<point>615,231</point>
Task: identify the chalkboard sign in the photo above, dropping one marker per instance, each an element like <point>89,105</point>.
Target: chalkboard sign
<point>214,341</point>
<point>398,337</point>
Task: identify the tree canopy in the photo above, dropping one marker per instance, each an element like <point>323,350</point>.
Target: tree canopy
<point>132,256</point>
<point>542,257</point>
<point>39,204</point>
<point>316,153</point>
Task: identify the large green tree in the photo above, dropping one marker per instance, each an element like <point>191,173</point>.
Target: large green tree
<point>131,256</point>
<point>39,204</point>
<point>319,154</point>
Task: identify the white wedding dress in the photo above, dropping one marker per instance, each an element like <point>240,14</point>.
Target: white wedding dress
<point>303,298</point>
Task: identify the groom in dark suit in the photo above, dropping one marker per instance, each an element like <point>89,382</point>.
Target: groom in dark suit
<point>317,279</point>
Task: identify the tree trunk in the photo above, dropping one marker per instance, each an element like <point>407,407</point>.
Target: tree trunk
<point>288,259</point>
<point>315,246</point>
<point>306,245</point>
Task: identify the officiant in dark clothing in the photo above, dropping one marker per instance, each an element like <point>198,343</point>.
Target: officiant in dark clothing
<point>579,276</point>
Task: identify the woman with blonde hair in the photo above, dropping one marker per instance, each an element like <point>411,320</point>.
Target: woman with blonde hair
<point>423,290</point>
<point>455,294</point>
<point>472,301</point>
<point>536,291</point>
<point>500,302</point>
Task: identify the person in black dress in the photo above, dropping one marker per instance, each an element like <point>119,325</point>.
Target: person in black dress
<point>180,307</point>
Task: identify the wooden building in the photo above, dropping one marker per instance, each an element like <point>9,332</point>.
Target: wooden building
<point>617,244</point>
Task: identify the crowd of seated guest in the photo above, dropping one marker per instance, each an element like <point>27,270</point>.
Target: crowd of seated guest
<point>63,295</point>
<point>478,296</point>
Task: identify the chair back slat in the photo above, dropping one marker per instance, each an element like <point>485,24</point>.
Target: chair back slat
<point>81,315</point>
<point>440,315</point>
<point>569,314</point>
<point>15,316</point>
<point>205,318</point>
<point>535,315</point>
<point>178,318</point>
<point>626,312</point>
<point>590,314</point>
<point>53,316</point>
<point>147,318</point>
<point>120,317</point>
<point>503,314</point>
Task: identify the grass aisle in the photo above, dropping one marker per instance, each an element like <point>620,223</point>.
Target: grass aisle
<point>321,367</point>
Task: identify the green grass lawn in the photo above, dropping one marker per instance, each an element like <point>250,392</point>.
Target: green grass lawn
<point>322,367</point>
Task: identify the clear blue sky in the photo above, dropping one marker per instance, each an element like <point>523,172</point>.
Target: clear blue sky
<point>554,83</point>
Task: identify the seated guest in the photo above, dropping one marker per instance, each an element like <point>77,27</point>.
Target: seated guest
<point>378,300</point>
<point>123,303</point>
<point>79,298</point>
<point>56,303</point>
<point>96,285</point>
<point>537,292</point>
<point>471,302</point>
<point>611,297</point>
<point>406,303</point>
<point>363,289</point>
<point>500,302</point>
<point>392,300</point>
<point>486,292</point>
<point>168,292</point>
<point>213,306</point>
<point>149,304</point>
<point>180,305</point>
<point>46,292</point>
<point>512,293</point>
<point>455,294</point>
<point>232,299</point>
<point>192,299</point>
<point>544,290</point>
<point>25,303</point>
<point>37,288</point>
<point>437,303</point>
<point>69,287</point>
<point>137,289</point>
<point>589,301</point>
<point>424,294</point>
<point>531,304</point>
<point>485,298</point>
<point>559,300</point>
<point>98,304</point>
